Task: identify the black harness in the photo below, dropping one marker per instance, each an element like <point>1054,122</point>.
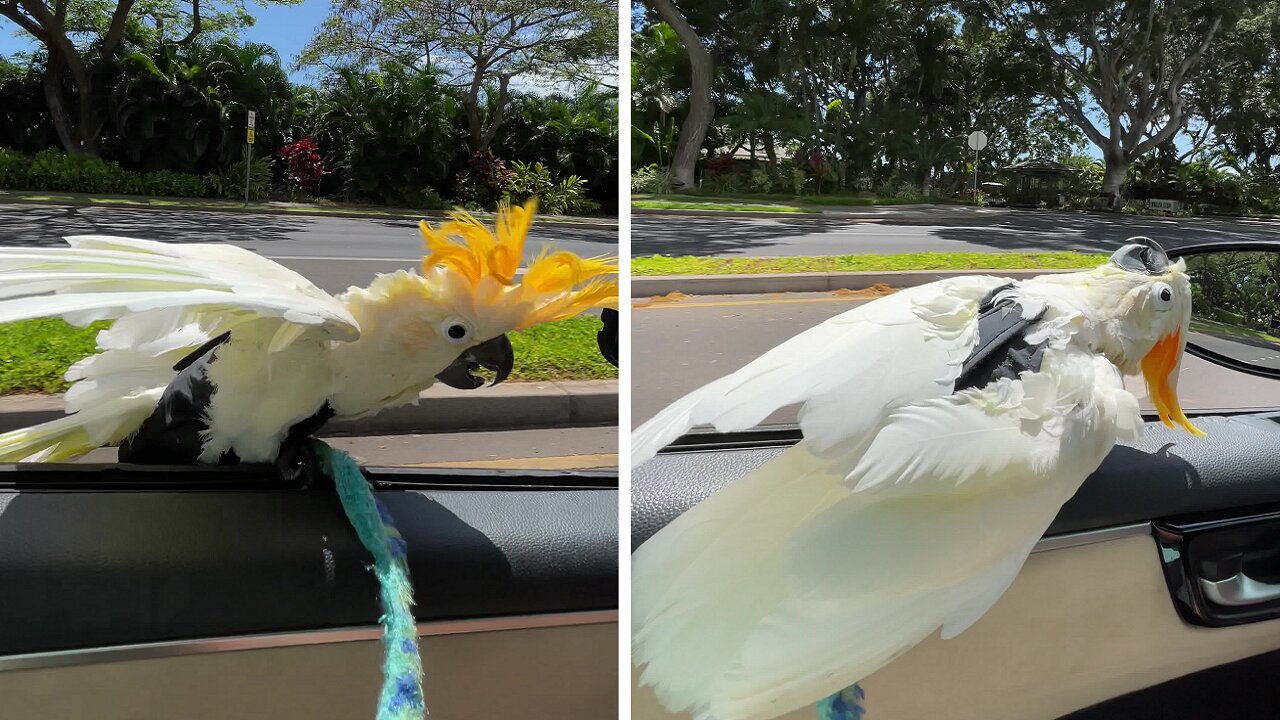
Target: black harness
<point>1002,350</point>
<point>171,435</point>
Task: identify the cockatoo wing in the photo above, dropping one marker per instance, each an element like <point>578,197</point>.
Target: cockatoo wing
<point>810,573</point>
<point>102,277</point>
<point>847,371</point>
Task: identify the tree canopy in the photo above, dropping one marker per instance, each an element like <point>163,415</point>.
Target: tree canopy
<point>878,95</point>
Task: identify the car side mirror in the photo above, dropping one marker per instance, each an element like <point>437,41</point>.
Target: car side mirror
<point>1235,305</point>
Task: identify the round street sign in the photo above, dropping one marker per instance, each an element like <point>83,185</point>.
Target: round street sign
<point>977,140</point>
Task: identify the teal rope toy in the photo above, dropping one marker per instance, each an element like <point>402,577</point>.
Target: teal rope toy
<point>401,697</point>
<point>844,705</point>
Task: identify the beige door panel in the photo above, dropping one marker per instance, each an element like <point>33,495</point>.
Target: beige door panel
<point>1079,625</point>
<point>551,673</point>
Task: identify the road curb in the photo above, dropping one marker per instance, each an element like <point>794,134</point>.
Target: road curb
<point>643,286</point>
<point>411,217</point>
<point>512,406</point>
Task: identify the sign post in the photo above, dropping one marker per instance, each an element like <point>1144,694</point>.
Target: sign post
<point>977,141</point>
<point>248,162</point>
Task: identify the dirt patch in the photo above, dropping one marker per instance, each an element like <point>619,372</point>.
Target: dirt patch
<point>875,291</point>
<point>671,297</point>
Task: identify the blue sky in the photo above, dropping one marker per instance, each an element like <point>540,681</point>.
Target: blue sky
<point>286,28</point>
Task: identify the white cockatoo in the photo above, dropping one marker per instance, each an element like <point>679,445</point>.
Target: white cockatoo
<point>944,426</point>
<point>220,355</point>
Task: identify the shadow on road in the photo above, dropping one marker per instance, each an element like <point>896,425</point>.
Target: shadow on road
<point>1031,230</point>
<point>718,236</point>
<point>949,229</point>
<point>32,226</point>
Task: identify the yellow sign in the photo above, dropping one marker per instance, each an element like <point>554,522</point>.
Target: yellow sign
<point>250,136</point>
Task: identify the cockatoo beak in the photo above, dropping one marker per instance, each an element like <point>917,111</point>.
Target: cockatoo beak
<point>495,355</point>
<point>1158,368</point>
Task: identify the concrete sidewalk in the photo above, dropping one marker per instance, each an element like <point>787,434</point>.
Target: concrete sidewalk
<point>510,406</point>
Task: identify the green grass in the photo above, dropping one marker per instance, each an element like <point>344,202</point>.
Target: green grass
<point>704,197</point>
<point>34,354</point>
<point>716,205</point>
<point>664,265</point>
<point>565,350</point>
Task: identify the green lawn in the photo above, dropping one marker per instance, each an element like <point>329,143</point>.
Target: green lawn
<point>716,205</point>
<point>664,265</point>
<point>701,199</point>
<point>34,354</point>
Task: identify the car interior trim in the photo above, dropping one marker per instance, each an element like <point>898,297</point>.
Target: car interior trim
<point>1089,537</point>
<point>200,646</point>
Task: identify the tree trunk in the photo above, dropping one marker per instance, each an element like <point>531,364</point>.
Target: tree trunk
<point>57,111</point>
<point>693,131</point>
<point>1113,179</point>
<point>770,152</point>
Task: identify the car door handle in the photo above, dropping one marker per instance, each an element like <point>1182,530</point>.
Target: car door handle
<point>1239,590</point>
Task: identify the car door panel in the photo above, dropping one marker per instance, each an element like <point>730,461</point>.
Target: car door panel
<point>173,580</point>
<point>1090,617</point>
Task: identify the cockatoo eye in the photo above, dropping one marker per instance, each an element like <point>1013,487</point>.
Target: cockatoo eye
<point>1162,295</point>
<point>455,330</point>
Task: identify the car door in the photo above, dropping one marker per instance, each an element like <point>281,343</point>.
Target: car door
<point>161,592</point>
<point>1160,575</point>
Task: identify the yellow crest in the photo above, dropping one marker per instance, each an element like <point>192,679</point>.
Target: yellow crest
<point>557,284</point>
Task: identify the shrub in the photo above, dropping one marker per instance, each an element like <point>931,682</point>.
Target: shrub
<point>230,182</point>
<point>14,167</point>
<point>171,184</point>
<point>429,199</point>
<point>566,197</point>
<point>53,169</point>
<point>651,179</point>
<point>303,166</point>
<point>486,181</point>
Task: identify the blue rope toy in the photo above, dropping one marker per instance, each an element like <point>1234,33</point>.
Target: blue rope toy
<point>844,705</point>
<point>401,697</point>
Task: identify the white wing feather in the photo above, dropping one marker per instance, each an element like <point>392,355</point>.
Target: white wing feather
<point>891,351</point>
<point>814,571</point>
<point>102,277</point>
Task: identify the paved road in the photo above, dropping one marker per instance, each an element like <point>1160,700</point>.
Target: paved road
<point>334,253</point>
<point>939,230</point>
<point>558,449</point>
<point>678,347</point>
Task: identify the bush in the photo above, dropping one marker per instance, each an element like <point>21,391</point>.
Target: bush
<point>487,180</point>
<point>760,181</point>
<point>651,179</point>
<point>303,165</point>
<point>54,170</point>
<point>230,182</point>
<point>429,199</point>
<point>172,184</point>
<point>567,197</point>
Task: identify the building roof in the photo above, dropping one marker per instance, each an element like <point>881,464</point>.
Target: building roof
<point>1041,165</point>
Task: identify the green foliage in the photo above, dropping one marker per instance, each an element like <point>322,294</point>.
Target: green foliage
<point>14,167</point>
<point>36,354</point>
<point>564,197</point>
<point>58,171</point>
<point>230,182</point>
<point>166,183</point>
<point>650,179</point>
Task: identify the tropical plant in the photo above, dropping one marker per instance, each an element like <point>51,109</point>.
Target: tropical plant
<point>303,165</point>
